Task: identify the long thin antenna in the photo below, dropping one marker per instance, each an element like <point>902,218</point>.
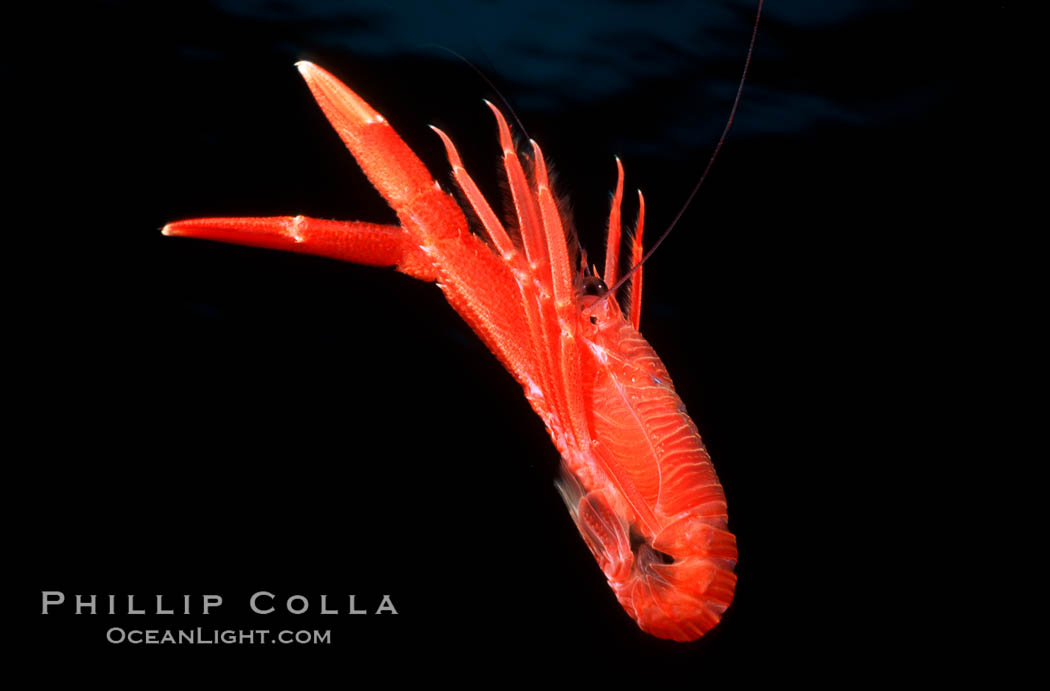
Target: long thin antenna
<point>488,81</point>
<point>710,162</point>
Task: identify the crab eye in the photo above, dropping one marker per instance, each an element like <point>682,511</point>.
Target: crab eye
<point>594,286</point>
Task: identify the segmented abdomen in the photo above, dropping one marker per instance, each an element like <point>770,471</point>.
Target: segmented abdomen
<point>654,488</point>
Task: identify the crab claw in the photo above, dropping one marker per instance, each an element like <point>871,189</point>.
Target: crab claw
<point>371,244</point>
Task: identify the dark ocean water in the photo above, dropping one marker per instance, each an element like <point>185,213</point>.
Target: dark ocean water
<point>210,418</point>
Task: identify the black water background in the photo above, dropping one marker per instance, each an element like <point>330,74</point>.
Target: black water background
<point>210,418</point>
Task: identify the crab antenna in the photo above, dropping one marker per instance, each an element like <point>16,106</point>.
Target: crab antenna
<point>488,81</point>
<point>707,169</point>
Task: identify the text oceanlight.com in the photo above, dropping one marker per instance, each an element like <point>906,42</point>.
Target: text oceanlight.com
<point>207,636</point>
